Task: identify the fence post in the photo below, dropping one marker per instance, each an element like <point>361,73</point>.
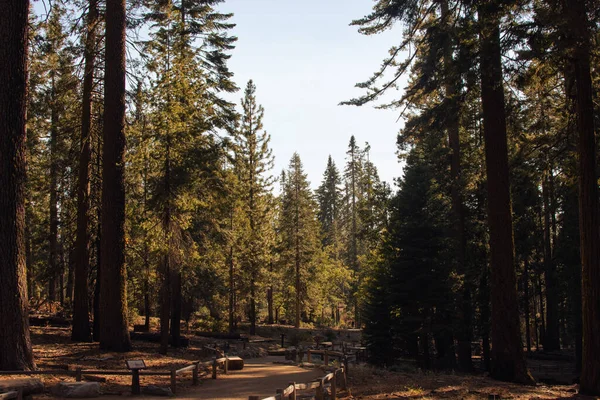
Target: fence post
<point>326,358</point>
<point>174,381</point>
<point>321,390</point>
<point>308,355</point>
<point>293,395</point>
<point>214,368</point>
<point>195,374</point>
<point>78,374</point>
<point>135,381</point>
<point>226,364</point>
<point>344,372</point>
<point>334,385</point>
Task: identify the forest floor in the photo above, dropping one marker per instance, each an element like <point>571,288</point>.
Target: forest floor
<point>369,383</point>
<point>54,350</point>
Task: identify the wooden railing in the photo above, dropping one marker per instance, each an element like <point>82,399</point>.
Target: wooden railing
<point>194,369</point>
<point>334,380</point>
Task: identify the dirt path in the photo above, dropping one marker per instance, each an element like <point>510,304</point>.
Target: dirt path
<point>259,377</point>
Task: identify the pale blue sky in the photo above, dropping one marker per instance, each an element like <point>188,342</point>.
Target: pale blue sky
<point>304,59</point>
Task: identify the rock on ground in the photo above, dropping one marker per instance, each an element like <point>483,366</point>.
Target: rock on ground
<point>29,386</point>
<point>152,390</point>
<point>78,390</point>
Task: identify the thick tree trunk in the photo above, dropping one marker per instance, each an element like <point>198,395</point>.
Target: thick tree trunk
<point>15,344</point>
<point>552,337</point>
<point>508,362</point>
<point>114,334</point>
<point>589,217</point>
<point>81,320</point>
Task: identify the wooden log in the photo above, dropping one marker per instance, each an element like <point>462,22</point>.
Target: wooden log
<point>11,395</point>
<point>186,369</point>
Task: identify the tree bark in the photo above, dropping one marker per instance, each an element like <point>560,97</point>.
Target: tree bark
<point>15,344</point>
<point>589,217</point>
<point>81,320</point>
<point>53,239</point>
<point>552,336</point>
<point>508,362</point>
<point>114,334</point>
<point>176,309</point>
<point>526,306</point>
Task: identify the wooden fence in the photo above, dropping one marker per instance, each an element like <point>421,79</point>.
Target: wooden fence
<point>194,369</point>
<point>333,381</point>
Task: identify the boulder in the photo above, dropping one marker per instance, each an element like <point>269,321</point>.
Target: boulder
<point>28,386</point>
<point>152,390</point>
<point>77,390</point>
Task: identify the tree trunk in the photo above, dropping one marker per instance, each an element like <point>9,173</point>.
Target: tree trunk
<point>15,344</point>
<point>81,320</point>
<point>552,337</point>
<point>589,218</point>
<point>231,288</point>
<point>114,334</point>
<point>53,239</point>
<point>526,307</point>
<point>464,335</point>
<point>508,362</point>
<point>176,309</point>
<point>253,306</point>
<point>270,305</point>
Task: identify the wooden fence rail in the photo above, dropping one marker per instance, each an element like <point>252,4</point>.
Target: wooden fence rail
<point>331,381</point>
<point>194,368</point>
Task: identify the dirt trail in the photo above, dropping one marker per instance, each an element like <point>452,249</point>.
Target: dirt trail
<point>259,377</point>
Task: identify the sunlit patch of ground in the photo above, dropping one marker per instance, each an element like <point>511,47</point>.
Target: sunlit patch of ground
<point>369,383</point>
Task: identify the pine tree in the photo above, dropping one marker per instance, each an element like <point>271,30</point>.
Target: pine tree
<point>329,197</point>
<point>81,324</point>
<point>114,334</point>
<point>15,344</point>
<point>299,233</point>
<point>253,161</point>
<point>508,362</point>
